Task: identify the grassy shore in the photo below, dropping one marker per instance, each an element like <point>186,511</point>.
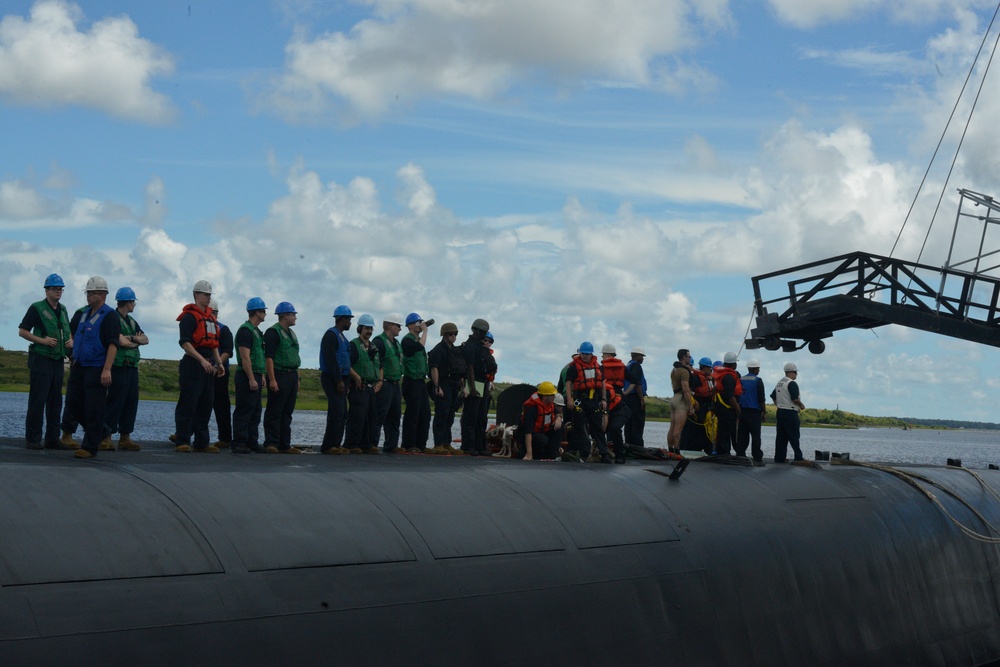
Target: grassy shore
<point>158,382</point>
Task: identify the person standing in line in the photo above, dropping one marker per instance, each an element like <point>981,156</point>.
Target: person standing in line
<point>281,361</point>
<point>221,404</point>
<point>448,373</point>
<point>695,434</point>
<point>123,395</point>
<point>389,400</point>
<point>681,404</point>
<point>249,379</point>
<point>786,398</point>
<point>335,375</point>
<point>417,419</point>
<point>95,346</point>
<point>728,389</point>
<point>366,382</point>
<point>635,398</point>
<point>753,409</point>
<point>46,326</point>
<point>475,411</point>
<point>587,402</point>
<point>198,368</point>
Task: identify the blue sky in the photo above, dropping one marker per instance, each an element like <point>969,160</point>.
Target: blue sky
<point>566,172</point>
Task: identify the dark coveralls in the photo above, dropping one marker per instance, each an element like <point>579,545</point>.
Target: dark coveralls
<point>249,404</point>
<point>220,404</point>
<point>752,403</point>
<point>476,410</point>
<point>726,433</point>
<point>618,417</point>
<point>389,399</point>
<point>362,411</point>
<point>45,384</point>
<point>417,418</point>
<point>336,404</point>
<point>587,420</point>
<point>451,367</point>
<point>280,404</point>
<point>123,395</point>
<point>694,437</point>
<point>636,425</point>
<point>86,397</point>
<point>197,390</point>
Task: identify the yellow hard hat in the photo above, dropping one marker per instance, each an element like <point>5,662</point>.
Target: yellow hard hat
<point>546,389</point>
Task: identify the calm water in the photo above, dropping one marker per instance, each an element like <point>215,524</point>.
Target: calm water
<point>975,448</point>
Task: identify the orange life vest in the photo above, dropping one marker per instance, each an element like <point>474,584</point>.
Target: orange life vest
<point>588,376</point>
<point>545,413</point>
<point>206,331</point>
<point>722,371</point>
<point>490,377</point>
<point>614,372</point>
<point>613,398</point>
<point>704,388</point>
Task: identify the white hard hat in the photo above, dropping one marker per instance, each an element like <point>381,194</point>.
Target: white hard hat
<point>638,350</point>
<point>213,304</point>
<point>608,349</point>
<point>203,286</point>
<point>730,358</point>
<point>97,284</point>
<point>393,318</point>
<point>560,400</point>
<point>753,363</point>
<point>789,367</point>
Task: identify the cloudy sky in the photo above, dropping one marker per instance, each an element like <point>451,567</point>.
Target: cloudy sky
<point>570,170</point>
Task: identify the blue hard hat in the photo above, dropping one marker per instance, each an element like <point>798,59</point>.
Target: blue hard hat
<point>704,361</point>
<point>342,311</point>
<point>284,307</point>
<point>586,347</point>
<point>716,364</point>
<point>256,303</point>
<point>366,320</point>
<point>125,294</point>
<point>489,335</point>
<point>413,317</point>
<point>54,280</point>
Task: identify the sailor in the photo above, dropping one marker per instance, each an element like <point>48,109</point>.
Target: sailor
<point>281,363</point>
<point>198,368</point>
<point>613,368</point>
<point>417,419</point>
<point>46,327</point>
<point>389,401</point>
<point>221,405</point>
<point>726,402</point>
<point>618,416</point>
<point>786,397</point>
<point>249,379</point>
<point>95,345</point>
<point>753,409</point>
<point>335,375</point>
<point>540,425</point>
<point>69,423</point>
<point>635,397</point>
<point>695,435</point>
<point>366,382</point>
<point>681,404</point>
<point>475,411</point>
<point>448,373</point>
<point>123,395</point>
<point>586,400</point>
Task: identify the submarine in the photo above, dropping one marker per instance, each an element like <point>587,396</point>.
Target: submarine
<point>156,558</point>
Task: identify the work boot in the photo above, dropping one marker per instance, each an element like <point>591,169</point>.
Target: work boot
<point>183,449</point>
<point>35,445</point>
<point>207,449</point>
<point>106,444</point>
<point>172,437</point>
<point>271,449</point>
<point>67,441</point>
<point>127,444</point>
<point>240,449</point>
<point>221,445</point>
<point>291,450</point>
<point>83,454</point>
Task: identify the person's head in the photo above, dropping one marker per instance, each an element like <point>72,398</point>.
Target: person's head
<point>449,332</point>
<point>97,292</point>
<point>414,324</point>
<point>287,315</point>
<point>480,328</point>
<point>256,310</point>
<point>342,317</point>
<point>392,324</point>
<point>202,294</point>
<point>366,326</point>
<point>608,351</point>
<point>125,296</point>
<point>684,356</point>
<point>705,365</point>
<point>586,351</point>
<point>488,339</point>
<point>547,392</point>
<point>753,367</point>
<point>791,370</point>
<point>730,360</point>
<point>54,287</point>
<point>638,354</point>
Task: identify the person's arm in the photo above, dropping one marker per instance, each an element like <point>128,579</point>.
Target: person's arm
<point>110,332</point>
<point>225,345</point>
<point>270,349</point>
<point>528,424</point>
<point>30,321</point>
<point>793,393</point>
<point>570,376</point>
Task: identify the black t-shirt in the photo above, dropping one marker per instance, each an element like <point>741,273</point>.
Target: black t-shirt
<point>634,375</point>
<point>479,358</point>
<point>448,360</point>
<point>225,342</point>
<point>411,346</point>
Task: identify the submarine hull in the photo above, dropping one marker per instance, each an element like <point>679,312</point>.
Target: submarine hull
<point>161,558</point>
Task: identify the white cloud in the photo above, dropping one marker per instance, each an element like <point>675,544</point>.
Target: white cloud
<point>48,60</point>
<point>417,48</point>
<point>816,12</point>
<point>26,205</point>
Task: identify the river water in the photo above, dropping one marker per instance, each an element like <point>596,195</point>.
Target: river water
<point>976,449</point>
